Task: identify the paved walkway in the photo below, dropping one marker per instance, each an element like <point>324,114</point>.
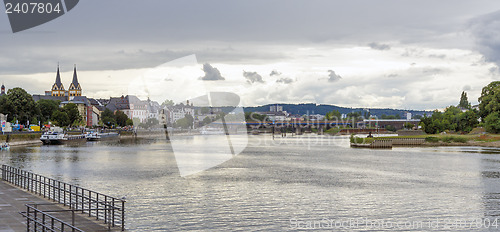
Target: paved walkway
<point>13,200</point>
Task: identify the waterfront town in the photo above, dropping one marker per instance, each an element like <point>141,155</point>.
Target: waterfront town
<point>147,112</point>
<point>250,116</point>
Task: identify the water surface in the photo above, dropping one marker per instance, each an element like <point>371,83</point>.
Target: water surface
<point>285,184</point>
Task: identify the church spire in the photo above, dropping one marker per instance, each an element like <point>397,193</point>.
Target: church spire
<point>58,88</point>
<point>74,88</point>
<point>58,78</point>
<point>75,78</point>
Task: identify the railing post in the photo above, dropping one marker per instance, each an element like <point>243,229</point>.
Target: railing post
<point>64,193</point>
<point>43,222</point>
<point>27,218</point>
<point>44,186</point>
<point>59,191</point>
<point>97,206</point>
<point>113,212</point>
<point>90,202</point>
<point>83,200</point>
<point>123,215</point>
<point>34,224</point>
<point>70,198</point>
<point>105,211</point>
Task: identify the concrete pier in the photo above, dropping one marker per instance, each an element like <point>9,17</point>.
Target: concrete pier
<point>13,201</point>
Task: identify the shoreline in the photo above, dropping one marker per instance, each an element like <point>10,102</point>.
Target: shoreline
<point>470,142</point>
<point>25,142</point>
<point>434,140</point>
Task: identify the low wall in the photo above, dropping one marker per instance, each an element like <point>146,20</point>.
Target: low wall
<point>408,141</point>
<point>385,143</point>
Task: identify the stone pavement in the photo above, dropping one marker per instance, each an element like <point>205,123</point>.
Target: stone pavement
<point>13,201</point>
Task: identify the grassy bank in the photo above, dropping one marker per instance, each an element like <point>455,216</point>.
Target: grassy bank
<point>489,140</point>
<point>20,137</point>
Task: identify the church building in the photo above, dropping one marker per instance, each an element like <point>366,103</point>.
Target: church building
<point>58,88</point>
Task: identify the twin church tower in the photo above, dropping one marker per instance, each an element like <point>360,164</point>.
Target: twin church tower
<point>74,88</point>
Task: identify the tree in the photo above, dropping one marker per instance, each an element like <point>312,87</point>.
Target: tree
<point>60,118</point>
<point>396,116</point>
<point>408,126</point>
<point>464,101</point>
<point>129,122</point>
<point>452,119</point>
<point>108,118</point>
<point>204,110</point>
<point>168,103</point>
<point>47,108</point>
<point>151,122</point>
<point>19,104</point>
<point>492,122</point>
<point>255,117</point>
<point>73,113</point>
<point>333,115</point>
<point>136,121</point>
<point>185,122</point>
<point>467,121</point>
<point>121,118</point>
<point>390,128</point>
<point>206,121</point>
<point>489,101</point>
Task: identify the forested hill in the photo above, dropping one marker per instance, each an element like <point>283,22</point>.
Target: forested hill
<point>311,108</point>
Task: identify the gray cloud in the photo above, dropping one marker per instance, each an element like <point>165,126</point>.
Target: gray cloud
<point>274,73</point>
<point>438,56</point>
<point>253,77</point>
<point>466,88</point>
<point>379,46</point>
<point>332,76</point>
<point>211,73</point>
<point>285,80</point>
<point>29,60</point>
<point>485,30</point>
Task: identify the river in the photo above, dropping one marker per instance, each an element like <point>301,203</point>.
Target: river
<point>293,183</point>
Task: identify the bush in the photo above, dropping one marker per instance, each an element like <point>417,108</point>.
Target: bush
<point>460,139</point>
<point>361,140</point>
<point>390,128</point>
<point>492,123</point>
<point>333,130</point>
<point>432,139</point>
<point>447,139</point>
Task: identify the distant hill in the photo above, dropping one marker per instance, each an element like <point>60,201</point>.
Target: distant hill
<point>311,108</point>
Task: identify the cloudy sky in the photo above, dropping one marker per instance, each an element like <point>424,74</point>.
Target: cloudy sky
<point>360,53</point>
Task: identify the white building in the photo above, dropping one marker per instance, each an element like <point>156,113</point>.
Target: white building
<point>174,113</point>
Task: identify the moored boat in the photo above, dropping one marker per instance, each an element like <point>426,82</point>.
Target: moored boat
<point>212,131</point>
<point>96,136</point>
<point>55,137</point>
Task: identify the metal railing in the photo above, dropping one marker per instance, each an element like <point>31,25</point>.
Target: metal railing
<point>103,207</point>
<point>38,220</point>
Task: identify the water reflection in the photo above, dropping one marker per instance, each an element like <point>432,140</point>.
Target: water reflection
<point>273,181</point>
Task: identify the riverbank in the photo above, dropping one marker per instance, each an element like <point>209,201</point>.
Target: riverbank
<point>21,139</point>
<point>438,140</point>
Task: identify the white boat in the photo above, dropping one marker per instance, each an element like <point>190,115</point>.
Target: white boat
<point>95,136</point>
<point>57,136</point>
<point>212,131</point>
